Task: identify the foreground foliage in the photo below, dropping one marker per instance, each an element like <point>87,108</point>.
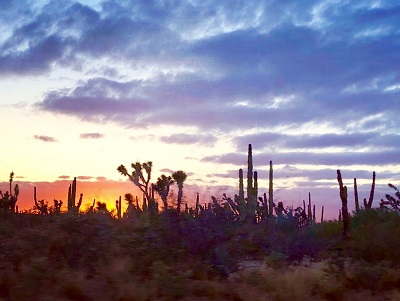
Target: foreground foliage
<point>179,257</point>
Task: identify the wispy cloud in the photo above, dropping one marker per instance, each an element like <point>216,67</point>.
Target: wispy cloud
<point>45,138</point>
<point>84,178</point>
<point>91,136</point>
<point>202,139</point>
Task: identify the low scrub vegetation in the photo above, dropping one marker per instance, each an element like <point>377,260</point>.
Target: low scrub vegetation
<point>178,257</point>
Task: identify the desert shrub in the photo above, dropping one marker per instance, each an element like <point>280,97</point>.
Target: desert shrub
<point>289,283</point>
<point>276,260</point>
<point>374,276</point>
<point>374,236</point>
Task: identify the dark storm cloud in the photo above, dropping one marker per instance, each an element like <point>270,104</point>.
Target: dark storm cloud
<point>45,138</point>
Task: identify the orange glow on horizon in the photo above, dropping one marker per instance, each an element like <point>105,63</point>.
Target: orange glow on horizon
<point>107,191</point>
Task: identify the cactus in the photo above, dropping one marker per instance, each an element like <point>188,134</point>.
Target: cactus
<point>162,187</point>
<point>368,205</point>
<point>263,211</point>
<point>141,176</point>
<point>313,216</point>
<point>240,200</point>
<point>392,203</point>
<point>179,177</point>
<point>132,210</point>
<point>252,188</point>
<point>322,214</point>
<point>8,199</point>
<point>118,205</point>
<point>102,208</point>
<point>271,190</point>
<point>251,208</point>
<point>72,206</point>
<point>197,204</point>
<point>40,205</point>
<point>357,204</point>
<point>343,197</point>
<point>280,209</point>
<point>91,208</point>
<point>309,211</point>
<point>57,206</point>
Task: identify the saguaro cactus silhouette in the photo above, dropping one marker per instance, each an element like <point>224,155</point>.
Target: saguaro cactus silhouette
<point>271,190</point>
<point>357,203</point>
<point>368,205</point>
<point>252,187</point>
<point>40,205</point>
<point>72,206</point>
<point>343,197</point>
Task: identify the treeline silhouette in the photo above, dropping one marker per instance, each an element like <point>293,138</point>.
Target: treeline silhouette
<point>197,252</point>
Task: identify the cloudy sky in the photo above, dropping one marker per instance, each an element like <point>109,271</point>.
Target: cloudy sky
<point>314,86</point>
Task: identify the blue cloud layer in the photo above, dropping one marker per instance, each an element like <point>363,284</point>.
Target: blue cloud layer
<point>265,68</point>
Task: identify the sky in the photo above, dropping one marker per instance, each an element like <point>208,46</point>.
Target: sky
<point>314,86</point>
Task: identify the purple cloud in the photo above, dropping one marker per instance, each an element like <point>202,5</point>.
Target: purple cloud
<point>296,79</point>
<point>202,139</point>
<point>91,136</point>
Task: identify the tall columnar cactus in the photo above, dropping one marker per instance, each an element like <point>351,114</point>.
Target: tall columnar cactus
<point>249,173</point>
<point>313,215</point>
<point>40,205</point>
<point>252,187</point>
<point>322,214</point>
<point>118,205</point>
<point>309,211</point>
<point>264,210</point>
<point>197,204</point>
<point>357,203</point>
<point>368,205</point>
<point>270,190</point>
<point>343,197</point>
<point>72,206</point>
<point>240,200</point>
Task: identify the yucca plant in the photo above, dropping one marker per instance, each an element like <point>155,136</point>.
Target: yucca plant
<point>162,187</point>
<point>179,177</point>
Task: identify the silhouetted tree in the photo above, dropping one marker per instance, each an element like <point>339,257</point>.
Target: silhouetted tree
<point>179,177</point>
<point>138,177</point>
<point>162,188</point>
